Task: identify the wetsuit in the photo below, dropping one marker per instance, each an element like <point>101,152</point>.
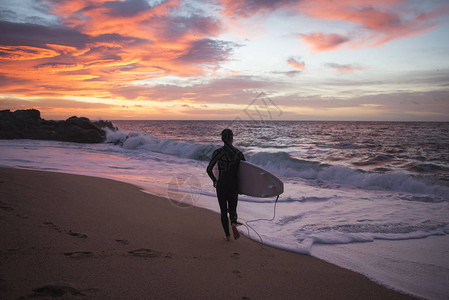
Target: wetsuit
<point>228,159</point>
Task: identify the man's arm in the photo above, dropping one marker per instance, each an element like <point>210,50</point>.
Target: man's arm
<point>242,157</point>
<point>211,165</point>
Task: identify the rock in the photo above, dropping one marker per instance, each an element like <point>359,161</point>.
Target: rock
<point>105,124</point>
<point>28,124</point>
<point>81,122</point>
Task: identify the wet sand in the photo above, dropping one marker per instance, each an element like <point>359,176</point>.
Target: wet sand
<point>84,237</point>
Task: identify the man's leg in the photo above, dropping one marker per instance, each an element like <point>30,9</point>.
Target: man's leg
<point>233,199</point>
<point>224,212</point>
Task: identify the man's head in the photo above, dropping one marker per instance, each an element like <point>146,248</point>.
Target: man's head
<point>227,136</point>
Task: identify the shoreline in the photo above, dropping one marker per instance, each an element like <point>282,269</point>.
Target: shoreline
<point>81,235</point>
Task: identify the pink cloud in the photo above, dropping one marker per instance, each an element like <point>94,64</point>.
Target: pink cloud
<point>324,42</point>
<point>345,68</point>
<point>434,13</point>
<point>296,63</point>
<point>377,21</point>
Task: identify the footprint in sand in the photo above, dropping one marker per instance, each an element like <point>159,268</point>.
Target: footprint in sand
<point>143,252</point>
<point>79,254</point>
<point>55,291</point>
<point>58,290</point>
<point>235,255</point>
<point>238,273</point>
<point>6,208</point>
<point>123,242</point>
<point>80,235</point>
<point>52,226</point>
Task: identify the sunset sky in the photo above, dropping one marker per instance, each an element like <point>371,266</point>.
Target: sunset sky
<point>211,59</point>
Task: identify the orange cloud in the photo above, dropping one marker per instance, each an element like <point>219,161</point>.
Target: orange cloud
<point>67,50</point>
<point>106,45</point>
<point>18,53</point>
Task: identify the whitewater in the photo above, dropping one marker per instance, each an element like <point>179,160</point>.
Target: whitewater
<point>372,197</point>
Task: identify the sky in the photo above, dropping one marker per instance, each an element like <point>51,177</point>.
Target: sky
<point>373,60</point>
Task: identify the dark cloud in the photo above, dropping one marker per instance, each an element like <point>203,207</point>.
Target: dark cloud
<point>175,27</point>
<point>7,14</point>
<point>433,101</point>
<point>238,89</point>
<point>54,65</point>
<point>207,51</point>
<point>288,73</point>
<point>246,8</point>
<point>128,8</point>
<point>26,34</point>
<point>411,78</point>
<point>119,39</point>
<point>17,103</point>
<point>104,53</point>
<point>237,83</point>
<point>6,81</point>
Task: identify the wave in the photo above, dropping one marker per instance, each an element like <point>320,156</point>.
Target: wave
<point>308,235</point>
<point>284,165</point>
<point>349,233</point>
<point>426,168</point>
<point>138,140</point>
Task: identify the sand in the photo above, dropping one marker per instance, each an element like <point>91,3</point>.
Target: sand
<point>82,237</point>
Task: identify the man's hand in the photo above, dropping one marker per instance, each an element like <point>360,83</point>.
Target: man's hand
<point>215,184</point>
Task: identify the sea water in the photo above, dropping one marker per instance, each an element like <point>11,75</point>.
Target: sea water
<point>369,196</point>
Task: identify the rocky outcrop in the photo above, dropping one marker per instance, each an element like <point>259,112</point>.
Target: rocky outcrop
<point>28,124</point>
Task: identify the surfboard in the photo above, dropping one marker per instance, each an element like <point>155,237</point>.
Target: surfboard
<point>256,182</point>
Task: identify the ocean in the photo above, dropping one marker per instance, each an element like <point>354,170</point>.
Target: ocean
<point>372,197</point>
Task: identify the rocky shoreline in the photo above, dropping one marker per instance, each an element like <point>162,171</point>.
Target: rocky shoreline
<point>28,124</point>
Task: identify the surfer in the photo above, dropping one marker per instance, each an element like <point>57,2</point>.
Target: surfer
<point>228,158</point>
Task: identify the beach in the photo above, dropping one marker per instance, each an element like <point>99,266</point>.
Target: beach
<point>73,236</point>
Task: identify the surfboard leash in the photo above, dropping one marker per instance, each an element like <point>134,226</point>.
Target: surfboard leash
<point>248,227</point>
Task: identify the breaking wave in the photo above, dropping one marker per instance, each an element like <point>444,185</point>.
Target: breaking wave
<point>284,165</point>
<point>141,141</point>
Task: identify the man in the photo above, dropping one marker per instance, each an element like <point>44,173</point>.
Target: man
<point>228,159</point>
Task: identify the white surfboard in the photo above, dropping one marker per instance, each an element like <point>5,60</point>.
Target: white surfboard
<point>256,182</point>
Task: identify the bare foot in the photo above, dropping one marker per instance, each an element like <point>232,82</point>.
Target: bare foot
<point>235,232</point>
<point>227,238</point>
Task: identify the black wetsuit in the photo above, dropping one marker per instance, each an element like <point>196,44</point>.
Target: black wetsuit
<point>228,159</point>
